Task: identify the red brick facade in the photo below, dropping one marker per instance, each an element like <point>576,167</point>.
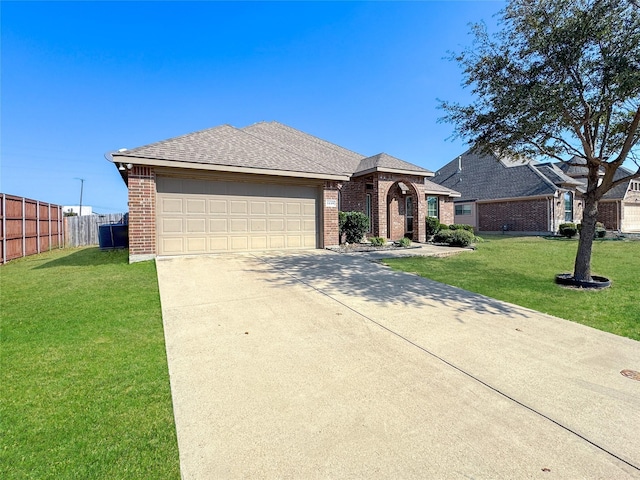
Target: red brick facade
<point>446,210</point>
<point>388,203</point>
<point>609,214</point>
<point>331,230</point>
<point>142,213</point>
<point>518,216</point>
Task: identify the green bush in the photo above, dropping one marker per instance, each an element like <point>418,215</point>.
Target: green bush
<point>455,238</point>
<point>433,226</point>
<point>443,236</point>
<point>377,241</point>
<point>600,232</point>
<point>461,226</point>
<point>404,242</point>
<point>353,226</point>
<point>568,230</point>
<point>462,238</point>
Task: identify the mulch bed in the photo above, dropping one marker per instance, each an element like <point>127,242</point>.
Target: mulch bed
<point>366,247</point>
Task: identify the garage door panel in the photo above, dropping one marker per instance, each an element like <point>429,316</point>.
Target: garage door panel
<point>239,225</point>
<point>172,246</point>
<point>259,208</point>
<point>309,226</point>
<point>277,241</point>
<point>196,244</point>
<point>239,243</point>
<point>171,205</point>
<point>258,225</point>
<point>309,241</point>
<point>276,225</point>
<point>218,207</point>
<point>218,244</point>
<point>196,206</point>
<point>171,225</point>
<point>196,225</point>
<point>631,218</point>
<point>276,208</point>
<point>200,216</point>
<point>238,207</point>
<point>259,243</point>
<point>294,225</point>
<point>309,209</point>
<point>294,208</point>
<point>218,225</point>
<point>294,241</point>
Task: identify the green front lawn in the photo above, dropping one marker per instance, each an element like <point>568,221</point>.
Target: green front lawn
<point>521,270</point>
<point>83,369</point>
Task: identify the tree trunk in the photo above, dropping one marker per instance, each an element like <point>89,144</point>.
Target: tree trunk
<point>582,267</point>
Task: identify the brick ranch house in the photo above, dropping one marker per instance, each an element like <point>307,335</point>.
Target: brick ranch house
<point>527,196</point>
<point>267,187</point>
<point>619,208</point>
<point>499,194</point>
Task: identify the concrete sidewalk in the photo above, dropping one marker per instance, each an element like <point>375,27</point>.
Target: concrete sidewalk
<point>319,365</point>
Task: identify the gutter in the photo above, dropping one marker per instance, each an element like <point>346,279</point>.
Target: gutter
<point>128,160</point>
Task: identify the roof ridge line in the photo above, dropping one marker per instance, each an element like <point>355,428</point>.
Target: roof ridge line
<point>280,147</point>
<point>333,146</point>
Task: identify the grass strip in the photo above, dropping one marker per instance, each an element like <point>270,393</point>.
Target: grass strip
<point>83,368</point>
<point>521,270</point>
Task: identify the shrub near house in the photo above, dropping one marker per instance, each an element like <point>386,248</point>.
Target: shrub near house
<point>353,225</point>
<point>455,236</point>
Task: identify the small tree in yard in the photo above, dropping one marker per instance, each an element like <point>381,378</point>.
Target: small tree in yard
<point>561,80</point>
<point>353,225</point>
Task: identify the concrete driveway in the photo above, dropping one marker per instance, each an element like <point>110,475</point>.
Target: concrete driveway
<point>321,365</point>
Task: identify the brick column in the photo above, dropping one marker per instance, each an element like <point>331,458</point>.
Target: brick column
<point>142,213</point>
<point>330,230</point>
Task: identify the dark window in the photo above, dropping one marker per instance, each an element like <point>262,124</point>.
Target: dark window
<point>409,214</point>
<point>464,209</point>
<point>432,207</point>
<point>368,210</point>
<point>568,207</point>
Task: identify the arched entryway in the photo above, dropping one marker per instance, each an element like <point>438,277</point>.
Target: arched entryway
<point>402,211</point>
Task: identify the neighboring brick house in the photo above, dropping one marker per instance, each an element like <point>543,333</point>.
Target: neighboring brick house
<point>266,187</point>
<point>619,208</point>
<point>499,194</point>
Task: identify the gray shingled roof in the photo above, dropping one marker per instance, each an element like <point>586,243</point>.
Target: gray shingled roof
<point>484,177</point>
<point>434,188</point>
<point>229,146</point>
<point>313,148</point>
<point>266,146</point>
<point>385,161</point>
<point>616,193</point>
<point>557,176</point>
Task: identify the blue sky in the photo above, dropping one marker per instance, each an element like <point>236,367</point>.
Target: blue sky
<point>83,78</point>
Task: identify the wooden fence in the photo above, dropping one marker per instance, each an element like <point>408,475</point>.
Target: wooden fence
<point>80,231</point>
<point>29,227</point>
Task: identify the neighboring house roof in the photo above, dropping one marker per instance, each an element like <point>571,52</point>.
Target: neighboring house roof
<point>383,162</point>
<point>557,176</point>
<point>484,177</point>
<point>619,191</point>
<point>267,148</point>
<point>573,169</point>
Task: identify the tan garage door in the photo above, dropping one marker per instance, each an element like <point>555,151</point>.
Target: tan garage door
<point>202,216</point>
<point>631,218</point>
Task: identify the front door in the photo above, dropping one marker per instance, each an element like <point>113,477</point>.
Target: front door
<point>409,216</point>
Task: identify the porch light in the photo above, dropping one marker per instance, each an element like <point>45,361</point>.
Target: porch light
<point>403,188</point>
